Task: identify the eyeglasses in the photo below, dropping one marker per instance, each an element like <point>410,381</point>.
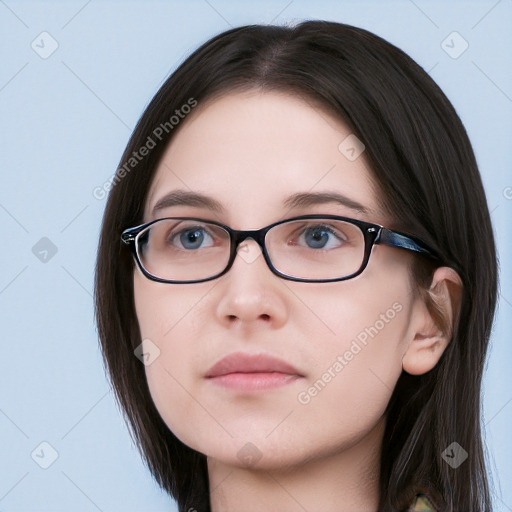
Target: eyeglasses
<point>308,248</point>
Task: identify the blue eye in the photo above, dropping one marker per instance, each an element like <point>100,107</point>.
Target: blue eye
<point>191,238</point>
<point>318,236</point>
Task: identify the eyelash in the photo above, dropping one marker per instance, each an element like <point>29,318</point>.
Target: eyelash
<point>324,227</point>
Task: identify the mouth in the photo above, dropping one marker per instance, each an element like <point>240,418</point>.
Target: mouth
<point>245,372</point>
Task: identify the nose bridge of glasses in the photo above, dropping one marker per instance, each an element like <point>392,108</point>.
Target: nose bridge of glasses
<point>241,241</point>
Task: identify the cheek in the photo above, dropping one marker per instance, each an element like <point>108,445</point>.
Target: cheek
<point>354,374</point>
<point>356,363</point>
<point>354,370</point>
<point>170,332</point>
<point>164,309</point>
<point>366,319</point>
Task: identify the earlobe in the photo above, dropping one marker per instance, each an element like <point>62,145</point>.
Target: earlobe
<point>434,319</point>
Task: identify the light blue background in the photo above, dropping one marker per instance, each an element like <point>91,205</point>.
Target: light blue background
<point>65,121</point>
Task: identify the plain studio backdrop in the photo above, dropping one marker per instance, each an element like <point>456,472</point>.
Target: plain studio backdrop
<point>74,79</point>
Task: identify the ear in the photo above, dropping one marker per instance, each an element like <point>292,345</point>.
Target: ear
<point>433,320</point>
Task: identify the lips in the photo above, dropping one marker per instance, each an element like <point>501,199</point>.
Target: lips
<point>245,373</point>
<point>245,363</point>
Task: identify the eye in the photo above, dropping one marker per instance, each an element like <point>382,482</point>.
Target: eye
<point>191,238</point>
<point>322,236</point>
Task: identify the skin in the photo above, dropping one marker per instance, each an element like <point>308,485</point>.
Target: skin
<point>250,150</point>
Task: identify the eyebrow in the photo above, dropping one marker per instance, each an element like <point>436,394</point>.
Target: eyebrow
<point>298,200</point>
<point>302,199</point>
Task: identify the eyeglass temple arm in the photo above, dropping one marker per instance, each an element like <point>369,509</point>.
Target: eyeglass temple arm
<point>394,239</point>
<point>128,236</point>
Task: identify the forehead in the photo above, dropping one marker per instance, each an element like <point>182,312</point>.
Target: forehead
<point>251,150</point>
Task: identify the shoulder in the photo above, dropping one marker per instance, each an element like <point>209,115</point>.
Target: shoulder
<point>421,503</point>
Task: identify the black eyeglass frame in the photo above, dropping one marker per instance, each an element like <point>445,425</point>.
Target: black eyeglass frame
<point>373,234</point>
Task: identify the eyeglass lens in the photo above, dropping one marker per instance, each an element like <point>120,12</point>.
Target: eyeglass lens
<point>181,249</point>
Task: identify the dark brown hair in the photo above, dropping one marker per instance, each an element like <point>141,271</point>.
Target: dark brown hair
<point>424,166</point>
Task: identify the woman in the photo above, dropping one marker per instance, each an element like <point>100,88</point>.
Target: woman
<point>273,347</point>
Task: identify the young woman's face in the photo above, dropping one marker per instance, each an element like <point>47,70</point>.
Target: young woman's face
<point>251,151</point>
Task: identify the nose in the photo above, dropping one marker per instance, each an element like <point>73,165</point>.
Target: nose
<point>248,250</point>
<point>250,292</point>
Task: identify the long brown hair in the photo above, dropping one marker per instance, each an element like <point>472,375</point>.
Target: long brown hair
<point>424,166</point>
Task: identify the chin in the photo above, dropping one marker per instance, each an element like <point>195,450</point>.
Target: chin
<point>255,455</point>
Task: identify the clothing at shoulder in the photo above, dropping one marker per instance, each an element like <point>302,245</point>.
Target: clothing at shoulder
<point>421,503</point>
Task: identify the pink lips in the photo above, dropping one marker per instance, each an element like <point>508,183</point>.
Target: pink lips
<point>252,372</point>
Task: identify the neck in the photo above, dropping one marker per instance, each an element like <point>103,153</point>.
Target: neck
<point>339,482</point>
